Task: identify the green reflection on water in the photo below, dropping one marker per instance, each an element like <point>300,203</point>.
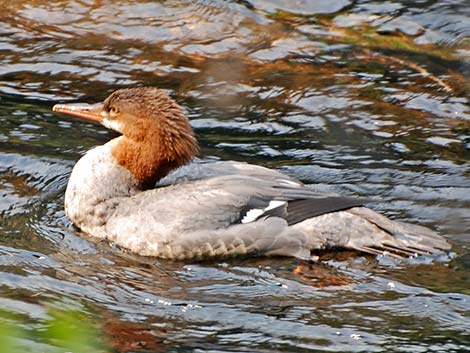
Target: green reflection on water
<point>62,331</point>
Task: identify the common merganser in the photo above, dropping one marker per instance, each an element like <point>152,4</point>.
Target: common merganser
<point>124,192</point>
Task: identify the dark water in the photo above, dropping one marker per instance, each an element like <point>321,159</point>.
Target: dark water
<point>363,98</point>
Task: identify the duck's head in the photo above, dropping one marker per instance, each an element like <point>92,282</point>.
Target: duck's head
<point>157,136</point>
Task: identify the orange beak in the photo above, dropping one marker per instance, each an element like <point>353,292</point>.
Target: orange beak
<point>82,110</point>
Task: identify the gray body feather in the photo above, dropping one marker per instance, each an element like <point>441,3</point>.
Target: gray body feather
<point>228,209</point>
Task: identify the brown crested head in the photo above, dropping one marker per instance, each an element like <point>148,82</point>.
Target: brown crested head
<point>157,136</point>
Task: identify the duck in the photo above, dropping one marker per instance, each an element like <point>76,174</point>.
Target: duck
<point>143,192</point>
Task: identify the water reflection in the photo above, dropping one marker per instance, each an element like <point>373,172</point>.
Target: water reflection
<point>342,95</point>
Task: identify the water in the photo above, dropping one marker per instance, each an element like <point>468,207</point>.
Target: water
<point>363,98</point>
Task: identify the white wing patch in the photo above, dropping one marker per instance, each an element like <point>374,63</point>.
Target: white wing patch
<point>253,214</point>
<point>273,204</point>
<point>288,183</point>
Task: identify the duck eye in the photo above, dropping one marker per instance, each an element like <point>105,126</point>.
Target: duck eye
<point>113,111</point>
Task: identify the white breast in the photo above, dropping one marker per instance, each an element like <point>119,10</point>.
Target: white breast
<point>96,180</point>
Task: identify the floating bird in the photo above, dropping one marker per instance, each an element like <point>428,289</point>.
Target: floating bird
<point>141,192</point>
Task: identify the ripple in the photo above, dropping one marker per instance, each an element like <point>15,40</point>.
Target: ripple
<point>303,7</point>
<point>305,87</point>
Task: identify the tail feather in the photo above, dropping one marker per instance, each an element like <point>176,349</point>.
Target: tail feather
<point>375,251</point>
<point>365,230</point>
<point>399,238</point>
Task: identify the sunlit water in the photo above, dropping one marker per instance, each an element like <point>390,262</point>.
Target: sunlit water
<point>363,98</point>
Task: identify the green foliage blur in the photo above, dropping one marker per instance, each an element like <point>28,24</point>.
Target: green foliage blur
<point>63,331</point>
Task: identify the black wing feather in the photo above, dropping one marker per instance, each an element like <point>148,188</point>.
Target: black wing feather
<point>298,210</point>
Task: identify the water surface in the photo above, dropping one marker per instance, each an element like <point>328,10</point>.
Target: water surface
<point>357,97</point>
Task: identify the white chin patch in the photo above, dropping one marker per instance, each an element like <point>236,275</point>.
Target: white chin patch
<point>111,124</point>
